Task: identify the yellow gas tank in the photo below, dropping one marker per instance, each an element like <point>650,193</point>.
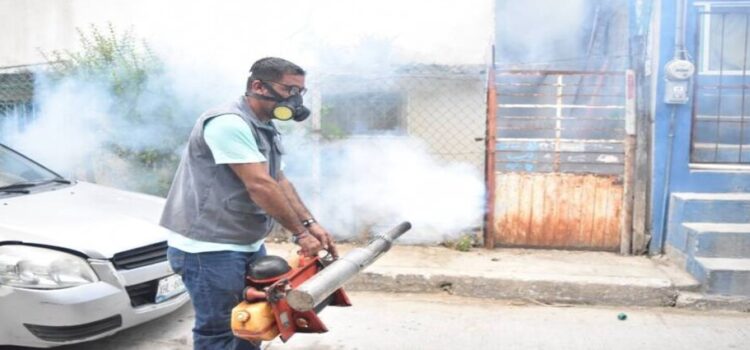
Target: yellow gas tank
<point>254,321</point>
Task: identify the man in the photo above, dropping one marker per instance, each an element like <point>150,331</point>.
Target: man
<point>228,189</point>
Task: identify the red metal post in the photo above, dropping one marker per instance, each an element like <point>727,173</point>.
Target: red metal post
<point>490,144</point>
<point>626,233</point>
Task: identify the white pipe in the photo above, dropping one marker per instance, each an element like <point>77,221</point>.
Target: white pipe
<point>311,293</point>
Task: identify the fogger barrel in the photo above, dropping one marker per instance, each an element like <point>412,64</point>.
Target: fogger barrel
<point>311,293</point>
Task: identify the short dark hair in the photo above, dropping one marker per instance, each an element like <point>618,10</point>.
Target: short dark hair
<point>272,69</point>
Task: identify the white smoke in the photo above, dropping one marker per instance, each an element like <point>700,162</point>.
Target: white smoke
<point>375,182</point>
<point>532,32</point>
<point>211,41</point>
<point>68,130</point>
<point>207,48</point>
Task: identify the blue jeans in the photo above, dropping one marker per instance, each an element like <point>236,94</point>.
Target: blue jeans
<point>215,281</point>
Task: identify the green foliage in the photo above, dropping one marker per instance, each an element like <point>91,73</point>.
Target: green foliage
<point>462,243</point>
<point>129,72</point>
<point>119,57</point>
<point>329,129</point>
<point>117,61</point>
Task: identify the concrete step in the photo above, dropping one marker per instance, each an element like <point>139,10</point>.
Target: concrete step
<point>543,276</point>
<point>718,240</point>
<point>713,207</point>
<point>688,207</point>
<point>721,275</point>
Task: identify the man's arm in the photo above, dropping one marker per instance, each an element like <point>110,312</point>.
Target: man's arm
<point>268,194</point>
<point>294,200</point>
<point>304,214</point>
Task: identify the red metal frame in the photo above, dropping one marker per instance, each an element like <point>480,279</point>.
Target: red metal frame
<point>289,320</point>
<point>490,144</point>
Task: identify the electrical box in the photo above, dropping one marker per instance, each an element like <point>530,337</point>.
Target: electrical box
<point>678,75</point>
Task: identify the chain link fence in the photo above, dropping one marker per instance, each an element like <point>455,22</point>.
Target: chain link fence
<point>378,115</point>
<point>16,96</point>
<point>445,106</point>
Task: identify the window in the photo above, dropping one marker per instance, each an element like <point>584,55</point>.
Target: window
<point>723,39</point>
<point>721,113</point>
<point>362,113</point>
<point>15,168</point>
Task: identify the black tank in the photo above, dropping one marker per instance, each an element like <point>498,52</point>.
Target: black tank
<point>269,266</point>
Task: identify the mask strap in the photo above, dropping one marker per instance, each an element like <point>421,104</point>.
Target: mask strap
<point>264,97</point>
<point>276,97</point>
<point>272,91</point>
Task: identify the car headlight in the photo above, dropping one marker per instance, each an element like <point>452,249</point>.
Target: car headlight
<point>41,268</point>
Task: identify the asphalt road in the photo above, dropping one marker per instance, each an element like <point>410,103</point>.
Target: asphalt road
<point>429,321</point>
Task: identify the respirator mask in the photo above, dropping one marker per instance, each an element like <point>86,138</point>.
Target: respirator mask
<point>286,108</point>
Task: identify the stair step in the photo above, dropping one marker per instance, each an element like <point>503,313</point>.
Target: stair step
<point>689,207</point>
<point>719,227</point>
<point>723,276</point>
<point>718,240</point>
<point>725,264</point>
<point>712,207</point>
<point>738,196</point>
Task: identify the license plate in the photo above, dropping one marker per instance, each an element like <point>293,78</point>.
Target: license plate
<point>168,287</point>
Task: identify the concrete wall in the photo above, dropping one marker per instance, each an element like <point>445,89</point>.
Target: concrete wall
<point>303,31</point>
<point>450,114</point>
<point>29,26</point>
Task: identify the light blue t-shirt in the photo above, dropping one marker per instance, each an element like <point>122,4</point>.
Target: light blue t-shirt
<point>231,142</point>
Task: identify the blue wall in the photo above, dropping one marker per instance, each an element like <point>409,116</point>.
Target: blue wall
<point>682,178</point>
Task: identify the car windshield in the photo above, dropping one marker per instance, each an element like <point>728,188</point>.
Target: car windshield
<point>16,169</point>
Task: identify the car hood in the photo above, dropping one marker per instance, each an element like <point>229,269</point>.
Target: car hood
<point>95,220</point>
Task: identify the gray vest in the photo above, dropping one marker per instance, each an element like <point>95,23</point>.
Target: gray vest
<point>208,202</point>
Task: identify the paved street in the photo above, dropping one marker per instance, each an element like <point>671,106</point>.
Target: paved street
<point>440,321</point>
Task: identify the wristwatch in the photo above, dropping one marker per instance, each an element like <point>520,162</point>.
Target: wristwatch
<point>308,222</point>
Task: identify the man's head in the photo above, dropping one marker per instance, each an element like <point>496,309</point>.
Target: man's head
<point>275,88</point>
<point>272,68</point>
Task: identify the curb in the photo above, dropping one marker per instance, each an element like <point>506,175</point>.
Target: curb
<point>549,292</point>
<point>546,292</point>
<point>703,302</point>
<point>541,277</point>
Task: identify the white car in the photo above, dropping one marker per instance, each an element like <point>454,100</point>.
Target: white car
<point>78,261</point>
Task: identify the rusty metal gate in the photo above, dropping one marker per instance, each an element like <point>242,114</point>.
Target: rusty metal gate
<point>557,163</point>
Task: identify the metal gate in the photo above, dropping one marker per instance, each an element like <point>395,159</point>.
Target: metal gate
<point>559,158</point>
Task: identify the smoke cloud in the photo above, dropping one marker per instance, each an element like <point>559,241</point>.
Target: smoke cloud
<point>353,185</point>
<point>532,32</point>
<point>68,132</point>
<point>370,184</point>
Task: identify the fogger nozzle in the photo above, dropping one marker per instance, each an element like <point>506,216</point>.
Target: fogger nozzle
<point>311,293</point>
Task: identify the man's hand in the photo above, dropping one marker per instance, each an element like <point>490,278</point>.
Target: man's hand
<point>309,244</point>
<point>325,238</point>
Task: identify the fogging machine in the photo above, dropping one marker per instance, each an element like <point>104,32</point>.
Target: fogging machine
<point>284,297</point>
